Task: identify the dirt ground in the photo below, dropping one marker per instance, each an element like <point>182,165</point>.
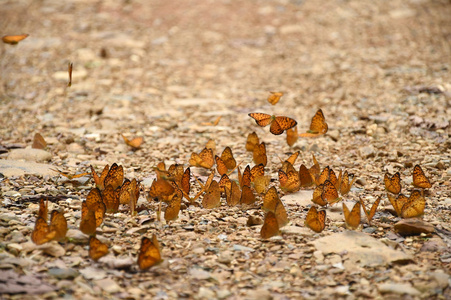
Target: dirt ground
<point>379,70</point>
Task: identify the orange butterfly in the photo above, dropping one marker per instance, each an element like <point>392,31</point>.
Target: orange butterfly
<point>115,176</point>
<point>233,195</point>
<point>317,195</point>
<point>215,123</point>
<point>330,193</point>
<point>270,226</point>
<point>315,220</point>
<point>173,208</point>
<point>205,159</point>
<point>344,183</point>
<point>257,171</point>
<point>259,154</point>
<point>287,167</point>
<point>397,202</point>
<point>42,232</point>
<point>318,126</point>
<point>175,173</point>
<point>69,176</point>
<point>135,143</point>
<point>289,182</point>
<point>352,218</point>
<point>94,202</point>
<point>88,223</point>
<point>272,203</point>
<point>292,136</point>
<point>99,181</point>
<point>419,179</point>
<point>14,39</point>
<point>315,169</point>
<point>226,162</point>
<point>43,208</point>
<point>370,214</point>
<point>38,141</point>
<point>161,189</point>
<point>247,196</point>
<point>69,70</point>
<point>110,199</point>
<point>323,176</point>
<point>414,206</point>
<point>252,141</point>
<point>261,183</point>
<point>293,157</point>
<point>212,197</point>
<point>274,97</point>
<point>58,223</point>
<point>97,249</point>
<point>393,184</point>
<point>225,183</point>
<point>304,176</point>
<point>128,188</point>
<point>333,179</point>
<point>246,178</point>
<point>278,124</point>
<point>149,253</point>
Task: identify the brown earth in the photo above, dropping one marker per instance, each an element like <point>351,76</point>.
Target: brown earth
<point>379,70</point>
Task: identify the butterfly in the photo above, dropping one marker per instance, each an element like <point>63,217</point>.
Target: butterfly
<point>270,226</point>
<point>97,249</point>
<point>149,253</point>
<point>212,197</point>
<point>133,192</point>
<point>318,126</point>
<point>292,136</point>
<point>110,199</point>
<point>304,176</point>
<point>175,173</point>
<point>128,188</point>
<point>315,220</point>
<point>225,183</point>
<point>274,97</point>
<point>226,162</point>
<point>289,182</point>
<point>173,208</point>
<point>323,176</point>
<point>94,202</point>
<point>393,184</point>
<point>352,218</point>
<point>333,178</point>
<point>69,70</point>
<point>69,176</point>
<point>58,223</point>
<point>252,141</point>
<point>419,179</point>
<point>257,171</point>
<point>245,179</point>
<point>317,195</point>
<point>272,203</point>
<point>135,143</point>
<point>88,223</point>
<point>204,159</point>
<point>330,193</point>
<point>287,167</point>
<point>161,189</point>
<point>43,208</point>
<point>99,181</point>
<point>233,194</point>
<point>293,157</point>
<point>42,232</point>
<point>315,169</point>
<point>38,141</point>
<point>370,214</point>
<point>413,206</point>
<point>215,123</point>
<point>344,183</point>
<point>278,124</point>
<point>247,196</point>
<point>397,202</point>
<point>259,154</point>
<point>14,39</point>
<point>115,176</point>
<point>261,183</point>
<point>211,144</point>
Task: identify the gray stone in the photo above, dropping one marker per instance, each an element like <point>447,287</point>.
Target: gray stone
<point>413,227</point>
<point>367,151</point>
<point>398,288</point>
<point>53,249</point>
<point>108,285</point>
<point>63,273</point>
<point>361,249</point>
<point>30,154</point>
<point>19,168</point>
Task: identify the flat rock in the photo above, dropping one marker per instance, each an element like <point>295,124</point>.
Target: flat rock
<point>413,227</point>
<point>361,249</point>
<point>297,230</point>
<point>11,168</point>
<point>53,249</point>
<point>398,288</point>
<point>108,285</point>
<point>302,198</point>
<point>92,273</point>
<point>30,154</point>
<point>367,151</point>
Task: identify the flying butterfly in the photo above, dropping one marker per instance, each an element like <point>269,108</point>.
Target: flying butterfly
<point>419,178</point>
<point>135,143</point>
<point>393,184</point>
<point>274,97</point>
<point>278,124</point>
<point>315,220</point>
<point>149,253</point>
<point>352,218</point>
<point>318,126</point>
<point>14,39</point>
<point>97,249</point>
<point>70,176</point>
